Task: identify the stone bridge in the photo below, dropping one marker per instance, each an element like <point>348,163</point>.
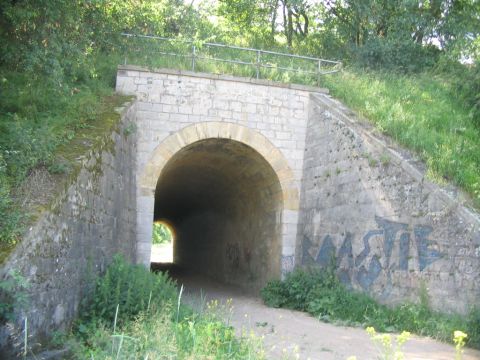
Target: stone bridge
<point>256,178</point>
<point>221,159</point>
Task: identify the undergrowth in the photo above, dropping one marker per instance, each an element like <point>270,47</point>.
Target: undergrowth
<point>320,293</point>
<point>134,314</point>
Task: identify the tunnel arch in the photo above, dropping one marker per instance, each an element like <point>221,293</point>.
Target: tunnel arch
<point>234,142</point>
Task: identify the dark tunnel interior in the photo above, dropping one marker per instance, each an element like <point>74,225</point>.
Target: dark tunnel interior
<point>224,202</point>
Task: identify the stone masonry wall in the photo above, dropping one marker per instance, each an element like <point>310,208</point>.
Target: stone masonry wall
<point>170,100</point>
<point>89,223</point>
<point>393,233</point>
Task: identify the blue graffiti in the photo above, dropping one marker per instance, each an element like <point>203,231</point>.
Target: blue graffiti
<point>366,277</point>
<point>390,230</point>
<point>366,246</point>
<point>365,273</point>
<point>346,250</point>
<point>426,256</point>
<point>327,252</point>
<point>404,251</point>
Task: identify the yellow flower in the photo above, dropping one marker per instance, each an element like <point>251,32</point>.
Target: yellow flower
<point>457,334</point>
<point>370,331</point>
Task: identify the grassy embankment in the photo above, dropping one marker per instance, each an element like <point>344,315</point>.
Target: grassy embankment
<point>44,132</point>
<point>422,112</point>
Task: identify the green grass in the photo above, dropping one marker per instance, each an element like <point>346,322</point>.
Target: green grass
<point>46,124</point>
<point>321,294</point>
<point>423,113</point>
<point>151,322</point>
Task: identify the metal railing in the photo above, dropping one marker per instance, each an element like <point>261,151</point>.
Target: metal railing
<point>199,51</point>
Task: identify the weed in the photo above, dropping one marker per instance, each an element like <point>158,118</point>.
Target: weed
<point>372,162</point>
<point>60,168</point>
<point>162,328</point>
<point>385,160</point>
<point>459,341</point>
<point>319,292</point>
<point>128,287</point>
<point>131,128</point>
<point>388,350</point>
<point>13,295</point>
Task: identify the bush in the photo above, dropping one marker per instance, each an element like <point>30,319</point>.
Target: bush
<point>395,55</point>
<point>132,287</point>
<point>294,291</point>
<point>473,328</point>
<point>152,323</point>
<point>465,82</point>
<point>274,294</point>
<point>13,295</point>
<point>320,293</point>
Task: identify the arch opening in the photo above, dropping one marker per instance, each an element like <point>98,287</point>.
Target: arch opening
<point>163,236</point>
<point>225,202</point>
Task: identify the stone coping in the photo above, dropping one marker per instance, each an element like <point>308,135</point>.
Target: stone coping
<point>312,89</point>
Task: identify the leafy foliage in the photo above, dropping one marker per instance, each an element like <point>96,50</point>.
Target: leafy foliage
<point>132,288</point>
<point>13,295</point>
<point>320,293</point>
<point>396,55</point>
<point>57,64</point>
<point>148,325</point>
<point>161,233</point>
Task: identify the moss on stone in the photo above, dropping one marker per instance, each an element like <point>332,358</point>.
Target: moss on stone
<point>91,139</point>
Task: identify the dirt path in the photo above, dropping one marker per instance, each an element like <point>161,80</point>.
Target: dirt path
<point>301,336</point>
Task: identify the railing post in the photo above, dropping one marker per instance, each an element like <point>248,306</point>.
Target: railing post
<point>258,64</point>
<point>319,71</point>
<point>193,57</point>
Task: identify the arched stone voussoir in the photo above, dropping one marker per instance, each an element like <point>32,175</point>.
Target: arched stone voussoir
<point>223,130</point>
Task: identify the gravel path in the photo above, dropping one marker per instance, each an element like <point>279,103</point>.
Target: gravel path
<point>297,335</point>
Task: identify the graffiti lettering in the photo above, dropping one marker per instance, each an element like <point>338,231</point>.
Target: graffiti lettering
<point>233,255</point>
<point>367,266</point>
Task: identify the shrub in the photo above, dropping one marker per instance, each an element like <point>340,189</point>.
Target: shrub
<point>152,322</point>
<point>320,293</point>
<point>13,295</point>
<point>132,287</point>
<point>274,294</point>
<point>465,82</point>
<point>473,328</point>
<point>395,55</point>
<point>294,291</point>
